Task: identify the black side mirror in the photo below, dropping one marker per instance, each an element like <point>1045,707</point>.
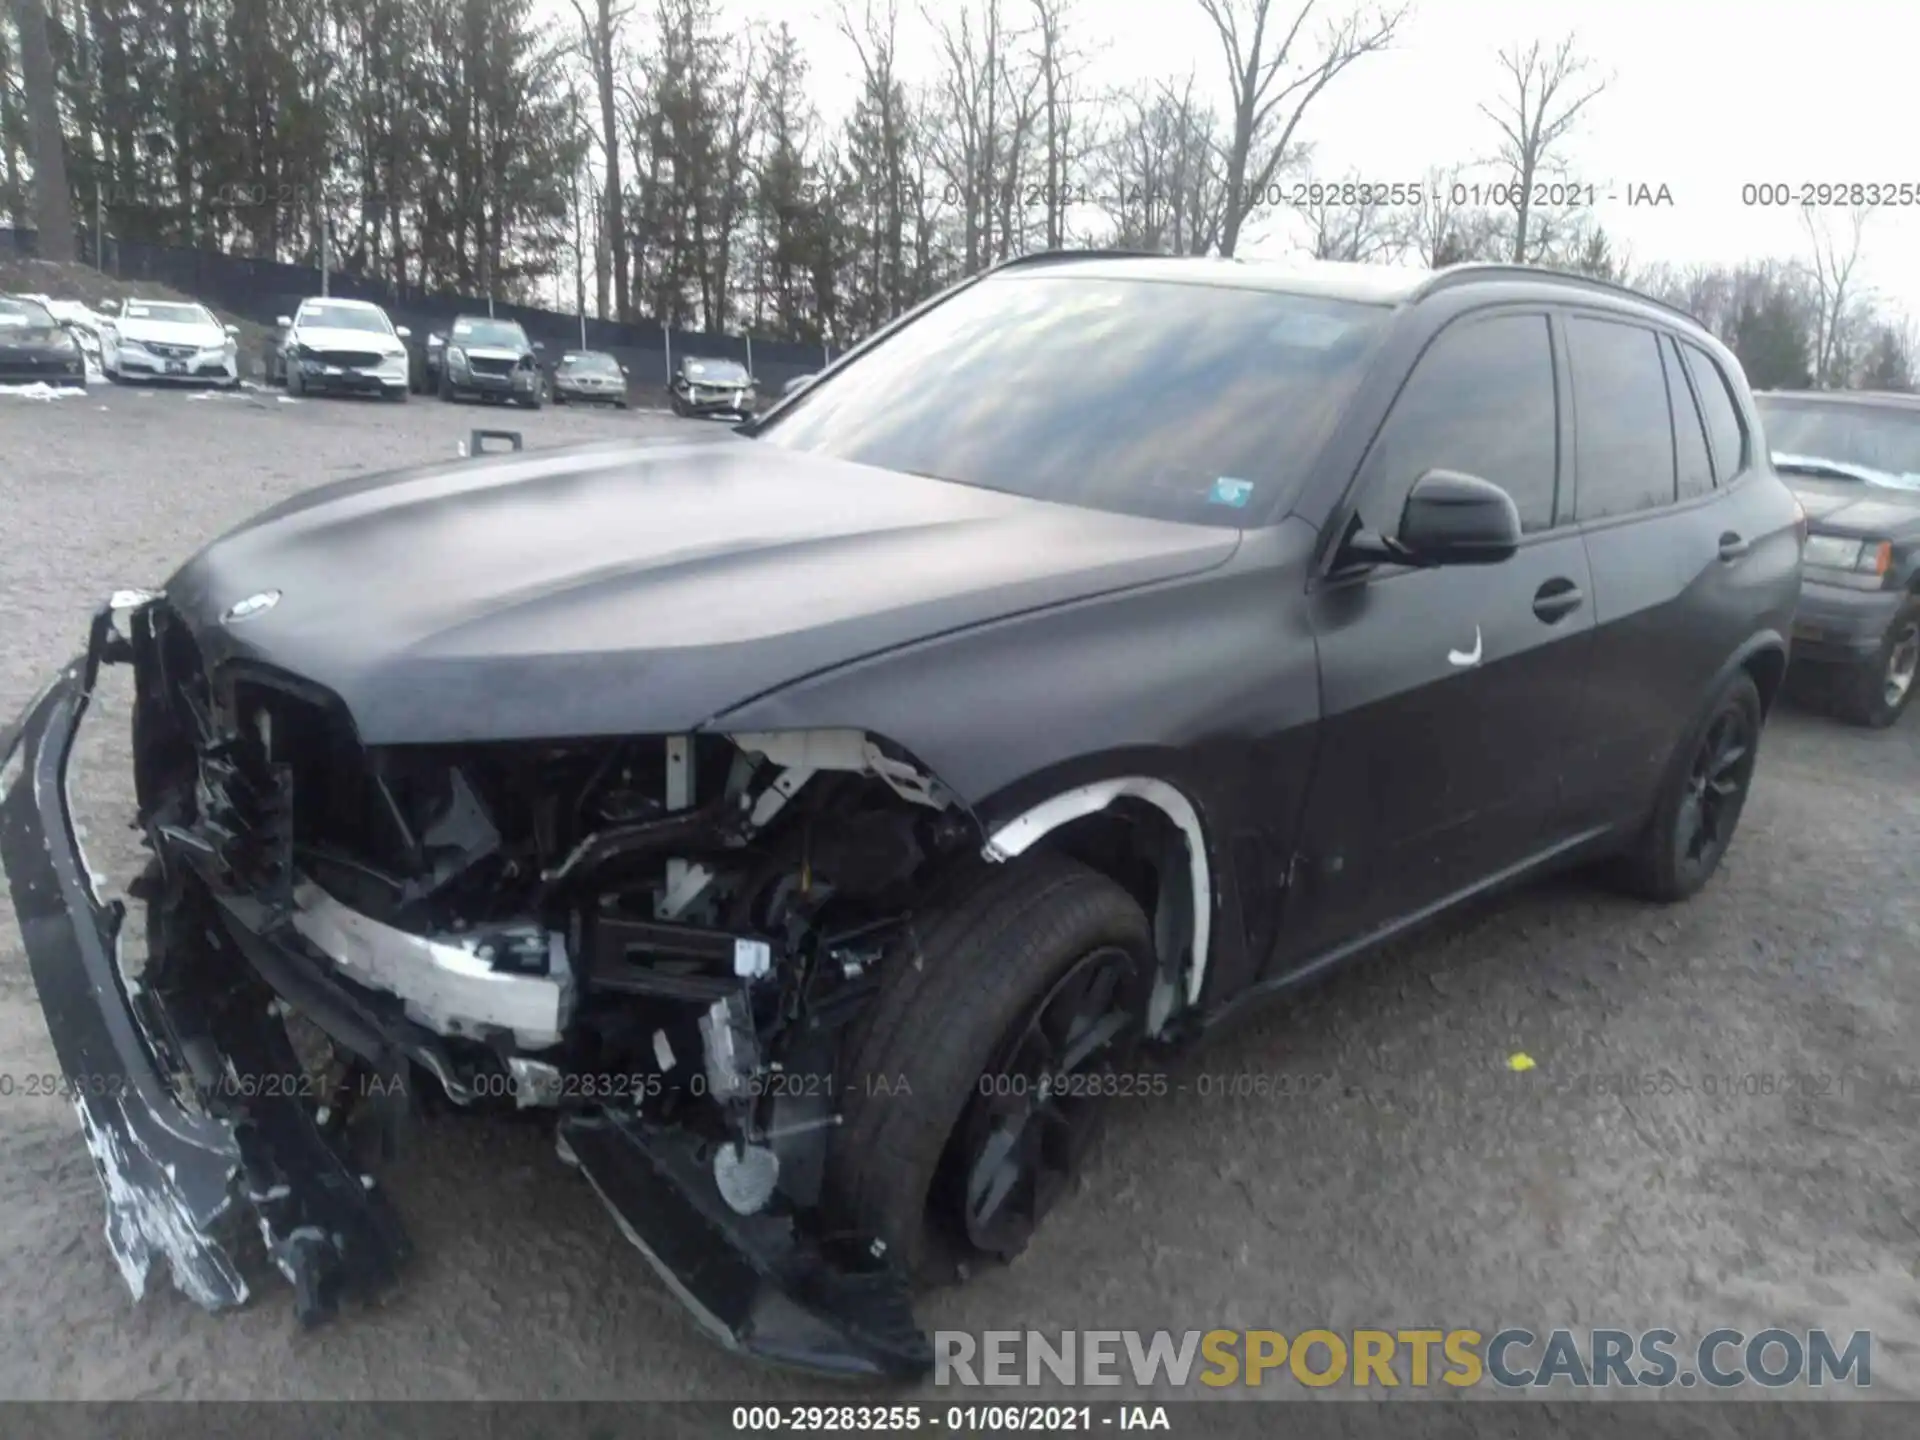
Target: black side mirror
<point>1456,519</point>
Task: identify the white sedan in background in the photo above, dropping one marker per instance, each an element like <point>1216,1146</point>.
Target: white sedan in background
<point>168,340</point>
<point>334,345</point>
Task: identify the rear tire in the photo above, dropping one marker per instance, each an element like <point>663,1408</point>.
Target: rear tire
<point>1700,800</point>
<point>963,1016</point>
<point>1874,694</point>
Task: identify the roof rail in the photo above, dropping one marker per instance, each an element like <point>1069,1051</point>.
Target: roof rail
<point>1493,270</point>
<point>1045,257</point>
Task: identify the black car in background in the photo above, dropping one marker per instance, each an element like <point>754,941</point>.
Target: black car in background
<point>35,347</point>
<point>1853,458</point>
<point>717,388</point>
<point>590,377</point>
<point>816,824</point>
<point>479,357</point>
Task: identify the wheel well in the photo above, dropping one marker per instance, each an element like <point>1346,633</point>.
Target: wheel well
<point>1144,852</point>
<point>1768,668</point>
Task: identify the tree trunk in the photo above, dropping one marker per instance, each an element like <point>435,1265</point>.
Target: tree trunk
<point>180,104</point>
<point>52,200</point>
<point>611,206</point>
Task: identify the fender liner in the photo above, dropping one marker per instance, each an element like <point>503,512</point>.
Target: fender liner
<point>1019,834</point>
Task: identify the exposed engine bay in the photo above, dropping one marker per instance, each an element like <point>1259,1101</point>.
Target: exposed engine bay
<point>670,931</point>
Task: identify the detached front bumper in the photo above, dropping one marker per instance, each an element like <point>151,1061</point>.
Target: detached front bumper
<point>184,1186</point>
<point>169,1174</point>
<point>193,1171</point>
<point>351,379</point>
<point>732,407</point>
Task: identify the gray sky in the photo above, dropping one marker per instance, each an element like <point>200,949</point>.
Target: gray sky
<point>1705,96</point>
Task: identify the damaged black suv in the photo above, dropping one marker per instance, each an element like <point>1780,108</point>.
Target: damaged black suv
<point>819,821</point>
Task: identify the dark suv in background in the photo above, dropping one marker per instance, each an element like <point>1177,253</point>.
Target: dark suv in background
<point>1853,458</point>
<point>481,358</point>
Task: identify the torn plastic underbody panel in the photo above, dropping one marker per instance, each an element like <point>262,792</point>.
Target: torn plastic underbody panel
<point>660,967</point>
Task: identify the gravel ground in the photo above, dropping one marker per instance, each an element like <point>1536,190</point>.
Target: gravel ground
<point>1417,1181</point>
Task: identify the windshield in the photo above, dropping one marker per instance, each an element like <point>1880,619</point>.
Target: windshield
<point>1876,437</point>
<point>488,332</point>
<point>164,311</point>
<point>590,365</point>
<point>345,317</point>
<point>1174,401</point>
<point>18,314</point>
<point>717,372</point>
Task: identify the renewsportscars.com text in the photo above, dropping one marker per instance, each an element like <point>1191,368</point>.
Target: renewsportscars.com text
<point>1513,1358</point>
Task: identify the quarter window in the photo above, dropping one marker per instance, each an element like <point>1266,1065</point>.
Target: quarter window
<point>1623,448</point>
<point>1724,426</point>
<point>1689,433</point>
<point>1479,401</point>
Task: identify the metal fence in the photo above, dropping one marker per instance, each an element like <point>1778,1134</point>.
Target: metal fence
<point>261,290</point>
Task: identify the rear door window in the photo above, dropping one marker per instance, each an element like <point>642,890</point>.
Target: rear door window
<point>1623,445</point>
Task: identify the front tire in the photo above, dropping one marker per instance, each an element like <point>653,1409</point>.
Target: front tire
<point>1874,694</point>
<point>296,385</point>
<point>970,1090</point>
<point>1700,799</point>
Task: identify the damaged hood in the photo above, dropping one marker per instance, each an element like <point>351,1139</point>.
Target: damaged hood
<point>635,588</point>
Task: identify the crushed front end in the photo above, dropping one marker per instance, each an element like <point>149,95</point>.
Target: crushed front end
<point>656,942</point>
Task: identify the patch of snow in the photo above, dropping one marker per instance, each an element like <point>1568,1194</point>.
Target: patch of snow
<point>40,390</point>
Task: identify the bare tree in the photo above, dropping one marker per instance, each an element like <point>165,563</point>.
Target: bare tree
<point>1837,293</point>
<point>989,110</point>
<point>1159,174</point>
<point>1273,80</point>
<point>1546,95</point>
<point>876,163</point>
<point>52,201</point>
<point>600,36</point>
<point>1357,230</point>
<point>1441,228</point>
<point>1060,128</point>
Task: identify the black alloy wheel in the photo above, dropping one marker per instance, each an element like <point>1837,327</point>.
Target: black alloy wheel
<point>1037,1111</point>
<point>1716,790</point>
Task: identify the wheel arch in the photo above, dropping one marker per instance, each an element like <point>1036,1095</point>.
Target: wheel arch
<point>1155,811</point>
<point>1767,664</point>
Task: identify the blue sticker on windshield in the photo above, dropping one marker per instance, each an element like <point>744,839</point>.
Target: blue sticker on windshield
<point>1229,491</point>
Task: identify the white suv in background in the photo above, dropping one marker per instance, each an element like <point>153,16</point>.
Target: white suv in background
<point>341,345</point>
<point>168,340</point>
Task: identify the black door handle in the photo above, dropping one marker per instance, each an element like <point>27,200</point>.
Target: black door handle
<point>1557,599</point>
<point>1732,547</point>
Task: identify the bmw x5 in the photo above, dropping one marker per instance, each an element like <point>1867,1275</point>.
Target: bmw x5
<point>806,820</point>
